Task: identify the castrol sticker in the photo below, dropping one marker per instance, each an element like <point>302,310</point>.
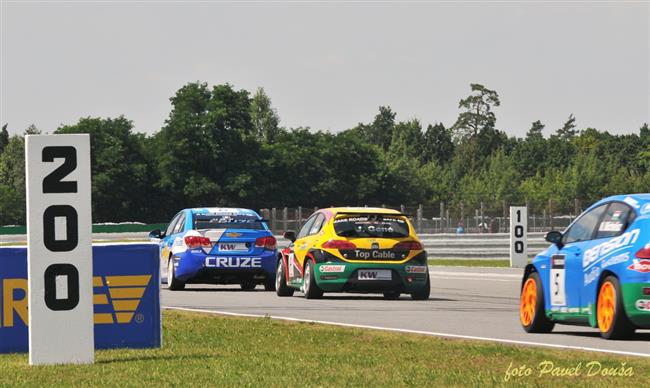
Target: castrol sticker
<point>642,266</point>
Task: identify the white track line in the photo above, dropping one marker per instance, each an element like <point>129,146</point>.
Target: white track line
<point>478,274</point>
<point>434,276</point>
<point>430,333</point>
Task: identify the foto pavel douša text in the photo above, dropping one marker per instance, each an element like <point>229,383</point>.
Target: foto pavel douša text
<point>549,368</point>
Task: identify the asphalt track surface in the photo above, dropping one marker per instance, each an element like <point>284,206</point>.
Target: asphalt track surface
<point>469,303</point>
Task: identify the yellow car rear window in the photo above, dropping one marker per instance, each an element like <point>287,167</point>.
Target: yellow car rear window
<point>371,225</point>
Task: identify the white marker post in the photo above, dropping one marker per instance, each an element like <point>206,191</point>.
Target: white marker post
<point>518,236</point>
<point>59,257</point>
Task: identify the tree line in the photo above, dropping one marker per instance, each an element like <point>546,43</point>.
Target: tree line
<point>226,147</point>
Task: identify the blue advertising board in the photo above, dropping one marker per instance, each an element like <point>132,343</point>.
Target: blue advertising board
<point>126,297</point>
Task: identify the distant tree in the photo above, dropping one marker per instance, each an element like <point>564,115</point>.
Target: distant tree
<point>32,130</point>
<point>567,132</point>
<point>407,140</point>
<point>438,144</point>
<point>400,181</point>
<point>644,155</point>
<point>644,132</point>
<point>490,140</point>
<point>535,131</point>
<point>588,176</point>
<point>222,146</point>
<point>207,152</point>
<point>326,169</point>
<point>591,140</point>
<point>477,113</point>
<point>4,138</point>
<point>500,178</point>
<point>437,182</point>
<point>230,110</point>
<point>554,185</point>
<point>122,178</point>
<point>12,182</point>
<point>561,150</point>
<point>644,135</point>
<point>530,154</point>
<point>474,131</point>
<point>264,118</point>
<point>380,131</point>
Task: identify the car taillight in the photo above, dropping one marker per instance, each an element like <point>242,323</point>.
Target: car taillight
<point>197,242</point>
<point>644,253</point>
<point>408,246</point>
<point>339,244</point>
<point>267,242</point>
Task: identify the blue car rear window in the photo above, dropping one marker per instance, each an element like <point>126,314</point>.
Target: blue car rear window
<point>227,222</point>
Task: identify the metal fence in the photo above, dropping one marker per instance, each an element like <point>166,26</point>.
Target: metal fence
<point>433,219</point>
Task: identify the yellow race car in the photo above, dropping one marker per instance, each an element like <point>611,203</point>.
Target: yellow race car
<point>346,249</point>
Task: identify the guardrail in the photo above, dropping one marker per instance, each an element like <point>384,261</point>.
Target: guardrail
<point>477,246</point>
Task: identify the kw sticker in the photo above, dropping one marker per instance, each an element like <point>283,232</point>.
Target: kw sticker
<point>116,299</point>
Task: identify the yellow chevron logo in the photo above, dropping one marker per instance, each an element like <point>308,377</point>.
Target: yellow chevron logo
<point>124,294</point>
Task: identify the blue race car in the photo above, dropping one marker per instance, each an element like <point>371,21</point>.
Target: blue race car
<point>596,273</point>
<point>218,246</point>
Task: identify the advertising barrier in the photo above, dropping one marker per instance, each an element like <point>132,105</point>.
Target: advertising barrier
<point>126,297</point>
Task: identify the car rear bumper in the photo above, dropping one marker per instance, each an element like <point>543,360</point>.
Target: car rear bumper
<point>194,267</point>
<point>228,276</point>
<point>344,277</point>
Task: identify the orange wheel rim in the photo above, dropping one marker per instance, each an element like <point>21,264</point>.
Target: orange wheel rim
<point>528,302</point>
<point>606,306</point>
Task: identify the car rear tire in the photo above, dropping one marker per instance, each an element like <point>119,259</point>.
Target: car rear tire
<point>312,291</point>
<point>248,285</point>
<point>269,284</point>
<point>281,287</point>
<point>173,283</point>
<point>423,293</point>
<point>532,314</point>
<point>392,295</point>
<point>610,313</point>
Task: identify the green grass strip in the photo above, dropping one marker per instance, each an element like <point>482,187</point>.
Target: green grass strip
<point>207,350</point>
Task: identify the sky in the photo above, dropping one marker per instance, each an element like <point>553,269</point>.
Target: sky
<point>329,65</point>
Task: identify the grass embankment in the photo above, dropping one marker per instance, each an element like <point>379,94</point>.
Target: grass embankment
<point>96,228</point>
<point>23,243</point>
<point>206,350</point>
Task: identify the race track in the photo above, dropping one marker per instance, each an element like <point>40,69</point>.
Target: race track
<point>479,303</point>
